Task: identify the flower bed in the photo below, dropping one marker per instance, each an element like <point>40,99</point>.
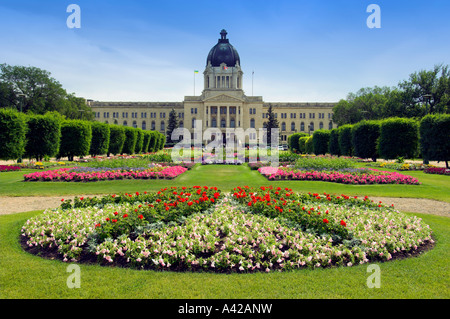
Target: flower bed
<point>201,229</point>
<point>402,166</point>
<point>437,170</point>
<point>350,176</point>
<point>71,175</point>
<point>9,168</point>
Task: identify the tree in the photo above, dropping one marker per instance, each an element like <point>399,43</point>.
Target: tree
<point>321,139</point>
<point>33,89</point>
<point>13,128</point>
<point>101,133</point>
<point>399,137</point>
<point>43,136</point>
<point>76,136</point>
<point>435,138</point>
<point>173,124</point>
<point>365,136</point>
<point>271,123</point>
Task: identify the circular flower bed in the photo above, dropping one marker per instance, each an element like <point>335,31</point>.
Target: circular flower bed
<point>203,229</point>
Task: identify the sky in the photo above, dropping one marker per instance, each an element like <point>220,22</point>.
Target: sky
<point>297,51</point>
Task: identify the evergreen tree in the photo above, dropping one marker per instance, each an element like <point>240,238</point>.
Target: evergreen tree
<point>271,123</point>
<point>173,124</point>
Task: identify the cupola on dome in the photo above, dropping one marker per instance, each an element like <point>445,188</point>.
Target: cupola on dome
<point>223,52</point>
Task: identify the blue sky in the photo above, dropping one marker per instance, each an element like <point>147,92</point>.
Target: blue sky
<point>300,51</point>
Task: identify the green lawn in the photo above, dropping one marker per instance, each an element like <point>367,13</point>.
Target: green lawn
<point>226,177</point>
<point>26,276</point>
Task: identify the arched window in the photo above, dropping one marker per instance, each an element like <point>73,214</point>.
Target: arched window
<point>330,125</point>
<point>125,123</point>
<point>153,125</point>
<point>134,124</point>
<point>292,127</point>
<point>163,126</point>
<point>232,123</point>
<point>193,122</point>
<point>302,126</point>
<point>144,125</point>
<point>320,125</point>
<point>252,123</point>
<point>115,122</point>
<point>181,124</point>
<point>223,123</point>
<point>283,126</point>
<point>311,126</point>
<point>213,122</point>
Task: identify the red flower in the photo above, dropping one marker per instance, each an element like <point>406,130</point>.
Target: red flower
<point>190,203</point>
<point>325,221</point>
<point>125,215</point>
<point>343,223</point>
<point>137,193</point>
<point>98,225</point>
<point>116,213</point>
<point>141,217</point>
<point>107,219</point>
<point>62,200</point>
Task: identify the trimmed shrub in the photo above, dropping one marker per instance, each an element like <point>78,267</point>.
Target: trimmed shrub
<point>146,143</point>
<point>302,144</point>
<point>293,141</point>
<point>130,140</point>
<point>333,145</point>
<point>365,136</point>
<point>399,137</point>
<point>139,140</point>
<point>161,141</point>
<point>345,140</point>
<point>116,139</point>
<point>309,146</point>
<point>101,133</point>
<point>13,128</point>
<point>321,139</point>
<point>43,135</point>
<point>76,136</point>
<point>435,138</point>
<point>153,141</point>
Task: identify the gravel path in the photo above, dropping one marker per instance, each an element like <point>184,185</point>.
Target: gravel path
<point>11,205</point>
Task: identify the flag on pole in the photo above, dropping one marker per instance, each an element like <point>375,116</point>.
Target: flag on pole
<point>195,71</point>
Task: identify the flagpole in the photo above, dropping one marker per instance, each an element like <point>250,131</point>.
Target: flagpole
<point>194,83</point>
<point>253,72</point>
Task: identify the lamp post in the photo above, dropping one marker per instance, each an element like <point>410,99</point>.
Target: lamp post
<point>427,98</point>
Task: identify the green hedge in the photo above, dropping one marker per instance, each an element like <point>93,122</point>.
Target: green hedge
<point>399,137</point>
<point>116,139</point>
<point>293,141</point>
<point>321,139</point>
<point>309,146</point>
<point>146,143</point>
<point>130,140</point>
<point>13,128</point>
<point>365,136</point>
<point>139,141</point>
<point>101,134</point>
<point>302,144</point>
<point>43,135</point>
<point>345,140</point>
<point>333,145</point>
<point>76,136</point>
<point>435,138</point>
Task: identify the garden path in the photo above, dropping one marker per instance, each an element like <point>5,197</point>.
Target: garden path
<point>11,205</point>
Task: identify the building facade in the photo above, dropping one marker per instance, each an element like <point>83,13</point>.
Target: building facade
<point>222,104</point>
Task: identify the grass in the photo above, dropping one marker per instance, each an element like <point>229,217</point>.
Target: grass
<point>30,277</point>
<point>226,177</point>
